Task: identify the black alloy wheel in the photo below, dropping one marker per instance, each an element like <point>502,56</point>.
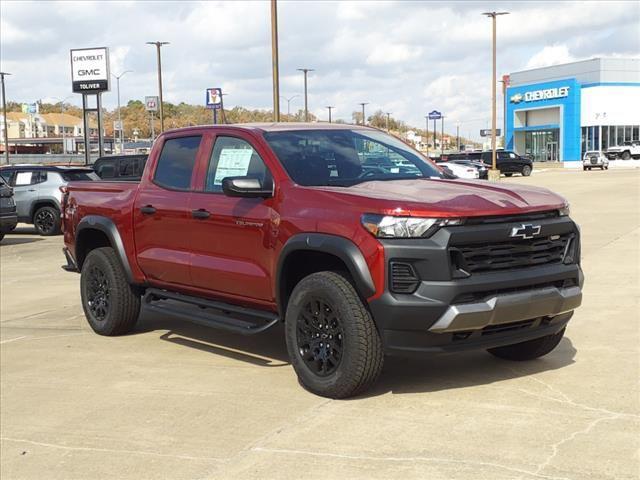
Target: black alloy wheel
<point>47,221</point>
<point>98,293</point>
<point>320,336</point>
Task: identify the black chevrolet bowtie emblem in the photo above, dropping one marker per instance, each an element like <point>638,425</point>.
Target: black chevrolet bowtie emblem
<point>525,231</point>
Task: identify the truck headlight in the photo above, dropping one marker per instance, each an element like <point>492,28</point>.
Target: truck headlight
<point>564,211</point>
<point>389,226</point>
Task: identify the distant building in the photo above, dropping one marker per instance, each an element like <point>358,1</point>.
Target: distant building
<point>44,125</point>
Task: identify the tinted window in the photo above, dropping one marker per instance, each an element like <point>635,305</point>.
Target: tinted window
<point>176,162</point>
<point>346,157</point>
<point>234,157</point>
<point>7,175</point>
<point>79,176</point>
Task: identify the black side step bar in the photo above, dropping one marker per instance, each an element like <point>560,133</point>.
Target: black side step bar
<point>224,316</point>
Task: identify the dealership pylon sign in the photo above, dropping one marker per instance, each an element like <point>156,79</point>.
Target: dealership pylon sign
<point>90,70</point>
<point>90,76</point>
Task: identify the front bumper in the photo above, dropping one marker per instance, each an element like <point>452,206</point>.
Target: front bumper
<point>8,221</point>
<point>448,312</point>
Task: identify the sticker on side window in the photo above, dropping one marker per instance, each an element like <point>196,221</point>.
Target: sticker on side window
<point>23,178</point>
<point>233,162</point>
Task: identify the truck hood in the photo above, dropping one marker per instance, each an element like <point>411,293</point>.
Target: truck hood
<point>452,198</point>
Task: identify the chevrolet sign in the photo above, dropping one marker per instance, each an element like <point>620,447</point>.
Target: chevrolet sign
<point>536,95</point>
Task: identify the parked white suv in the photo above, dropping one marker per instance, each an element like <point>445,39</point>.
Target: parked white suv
<point>626,151</point>
<point>595,159</point>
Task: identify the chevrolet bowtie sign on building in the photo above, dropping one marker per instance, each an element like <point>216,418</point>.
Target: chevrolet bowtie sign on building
<point>535,95</point>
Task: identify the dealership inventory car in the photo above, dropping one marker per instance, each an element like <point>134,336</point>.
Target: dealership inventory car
<point>8,216</point>
<point>626,151</point>
<point>36,191</point>
<point>595,159</point>
<point>461,170</point>
<point>243,227</point>
<point>508,162</point>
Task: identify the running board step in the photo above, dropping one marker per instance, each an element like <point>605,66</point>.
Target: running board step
<point>210,313</point>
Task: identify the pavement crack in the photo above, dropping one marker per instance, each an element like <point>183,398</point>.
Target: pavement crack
<point>407,459</point>
<point>109,450</point>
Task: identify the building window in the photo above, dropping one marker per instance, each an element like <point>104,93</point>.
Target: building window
<point>619,135</point>
<point>636,132</point>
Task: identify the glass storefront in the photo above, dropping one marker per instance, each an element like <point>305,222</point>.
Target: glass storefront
<point>543,145</point>
<point>611,136</point>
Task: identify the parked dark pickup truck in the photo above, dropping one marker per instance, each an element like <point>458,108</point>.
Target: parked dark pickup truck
<point>243,227</point>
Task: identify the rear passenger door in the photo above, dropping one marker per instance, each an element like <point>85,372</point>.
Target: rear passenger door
<point>26,186</point>
<point>162,218</point>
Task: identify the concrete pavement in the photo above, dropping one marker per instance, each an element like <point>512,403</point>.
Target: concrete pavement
<point>179,401</point>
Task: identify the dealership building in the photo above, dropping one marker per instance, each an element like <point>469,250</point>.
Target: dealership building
<point>557,113</point>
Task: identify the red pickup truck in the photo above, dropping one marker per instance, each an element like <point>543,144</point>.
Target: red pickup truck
<point>347,235</point>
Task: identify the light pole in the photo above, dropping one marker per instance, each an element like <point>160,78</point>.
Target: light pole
<point>494,173</point>
<point>274,61</point>
<point>364,119</point>
<point>4,116</point>
<point>426,133</point>
<point>388,114</point>
<point>329,107</point>
<point>306,104</point>
<point>458,137</point>
<point>288,100</point>
<point>120,129</point>
<point>158,45</point>
<point>442,136</point>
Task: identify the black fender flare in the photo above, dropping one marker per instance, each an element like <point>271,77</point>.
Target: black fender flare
<point>340,247</point>
<point>106,226</point>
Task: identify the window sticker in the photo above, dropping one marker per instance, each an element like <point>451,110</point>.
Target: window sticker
<point>233,162</point>
<point>23,178</point>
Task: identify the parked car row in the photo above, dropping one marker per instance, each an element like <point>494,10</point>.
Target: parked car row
<point>626,151</point>
<point>507,162</point>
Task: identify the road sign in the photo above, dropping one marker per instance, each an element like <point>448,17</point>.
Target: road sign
<point>90,70</point>
<point>214,98</point>
<point>151,104</point>
<point>486,132</point>
<point>117,125</point>
<point>435,115</point>
<point>31,108</point>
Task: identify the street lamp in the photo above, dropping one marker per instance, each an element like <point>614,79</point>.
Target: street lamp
<point>288,100</point>
<point>4,116</point>
<point>329,107</point>
<point>364,120</point>
<point>120,129</point>
<point>388,114</point>
<point>306,104</point>
<point>494,16</point>
<point>275,69</point>
<point>158,45</point>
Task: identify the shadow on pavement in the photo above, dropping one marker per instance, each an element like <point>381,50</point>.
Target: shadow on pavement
<point>399,376</point>
<point>267,349</point>
<point>10,239</point>
<point>452,371</point>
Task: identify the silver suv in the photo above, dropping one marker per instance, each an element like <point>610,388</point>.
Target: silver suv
<point>36,192</point>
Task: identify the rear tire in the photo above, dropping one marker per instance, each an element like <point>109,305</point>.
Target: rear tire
<point>47,221</point>
<point>626,155</point>
<point>526,171</point>
<point>332,340</point>
<point>584,168</point>
<point>508,174</point>
<point>110,303</point>
<point>530,349</point>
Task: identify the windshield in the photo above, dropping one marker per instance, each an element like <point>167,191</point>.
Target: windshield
<point>79,175</point>
<point>346,157</point>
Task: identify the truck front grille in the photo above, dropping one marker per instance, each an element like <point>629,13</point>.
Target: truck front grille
<point>489,257</point>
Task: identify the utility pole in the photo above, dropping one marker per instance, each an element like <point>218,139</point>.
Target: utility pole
<point>288,100</point>
<point>274,61</point>
<point>364,119</point>
<point>426,133</point>
<point>442,136</point>
<point>329,107</point>
<point>4,116</point>
<point>158,45</point>
<point>306,104</point>
<point>495,174</point>
<point>120,129</point>
<point>458,137</point>
<point>388,114</point>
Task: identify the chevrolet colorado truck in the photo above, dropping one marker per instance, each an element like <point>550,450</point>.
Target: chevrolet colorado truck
<point>242,227</point>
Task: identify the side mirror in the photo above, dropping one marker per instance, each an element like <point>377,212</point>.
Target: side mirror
<point>247,187</point>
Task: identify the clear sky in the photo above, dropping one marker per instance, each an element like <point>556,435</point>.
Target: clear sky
<point>405,57</point>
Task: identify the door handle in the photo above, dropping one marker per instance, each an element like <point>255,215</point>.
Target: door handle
<point>148,210</point>
<point>31,190</point>
<point>200,214</point>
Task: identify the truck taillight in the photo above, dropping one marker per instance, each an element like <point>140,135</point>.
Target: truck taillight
<point>63,205</point>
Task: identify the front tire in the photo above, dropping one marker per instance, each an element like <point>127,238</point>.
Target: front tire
<point>110,303</point>
<point>530,349</point>
<point>47,221</point>
<point>333,343</point>
<point>626,155</point>
<point>508,174</point>
<point>526,171</point>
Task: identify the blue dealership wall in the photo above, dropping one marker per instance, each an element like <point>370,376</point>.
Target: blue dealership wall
<point>569,115</point>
